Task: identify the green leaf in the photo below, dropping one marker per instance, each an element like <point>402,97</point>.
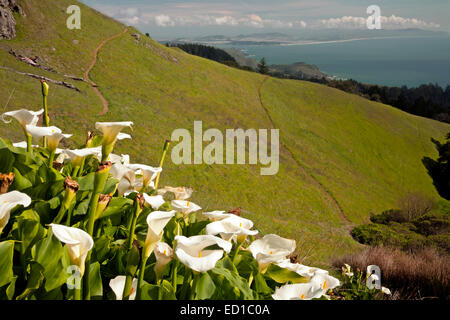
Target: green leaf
<point>205,287</point>
<point>29,230</point>
<point>11,288</point>
<point>48,252</point>
<point>282,275</point>
<point>110,186</point>
<point>6,160</point>
<point>232,285</point>
<point>149,292</point>
<point>95,280</point>
<point>6,262</point>
<point>117,205</point>
<point>20,182</point>
<point>34,280</point>
<point>166,291</point>
<point>261,285</point>
<point>133,259</point>
<point>86,182</point>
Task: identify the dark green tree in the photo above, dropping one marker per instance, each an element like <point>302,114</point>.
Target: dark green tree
<point>439,170</point>
<point>262,66</point>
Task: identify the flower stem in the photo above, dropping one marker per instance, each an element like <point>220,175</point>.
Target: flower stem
<point>99,184</point>
<point>166,147</point>
<point>175,276</point>
<point>60,215</point>
<point>51,158</point>
<point>29,142</point>
<point>141,277</point>
<point>77,294</point>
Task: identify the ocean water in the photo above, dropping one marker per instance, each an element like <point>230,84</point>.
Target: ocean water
<point>391,62</point>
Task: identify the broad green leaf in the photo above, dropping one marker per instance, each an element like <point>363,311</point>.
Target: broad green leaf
<point>166,291</point>
<point>48,252</point>
<point>95,280</point>
<point>20,182</point>
<point>261,285</point>
<point>11,288</point>
<point>149,292</point>
<point>29,229</point>
<point>282,275</point>
<point>6,160</point>
<point>205,287</point>
<point>6,262</point>
<point>133,259</point>
<point>232,283</point>
<point>35,280</point>
<point>117,205</point>
<point>110,186</point>
<point>86,182</point>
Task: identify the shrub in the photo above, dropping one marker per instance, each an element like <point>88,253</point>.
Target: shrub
<point>422,274</point>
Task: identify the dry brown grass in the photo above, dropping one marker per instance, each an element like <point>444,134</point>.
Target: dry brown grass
<point>422,274</point>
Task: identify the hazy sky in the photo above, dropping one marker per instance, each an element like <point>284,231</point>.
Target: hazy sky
<point>176,18</point>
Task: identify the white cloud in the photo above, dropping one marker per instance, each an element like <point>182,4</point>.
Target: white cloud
<point>164,21</point>
<point>392,22</point>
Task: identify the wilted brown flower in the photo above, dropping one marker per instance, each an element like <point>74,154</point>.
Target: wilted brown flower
<point>5,181</point>
<point>236,211</point>
<point>104,166</point>
<point>71,185</point>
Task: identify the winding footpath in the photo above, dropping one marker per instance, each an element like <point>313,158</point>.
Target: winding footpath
<point>301,166</point>
<point>93,62</point>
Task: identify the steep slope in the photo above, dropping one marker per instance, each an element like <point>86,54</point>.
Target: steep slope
<point>341,156</point>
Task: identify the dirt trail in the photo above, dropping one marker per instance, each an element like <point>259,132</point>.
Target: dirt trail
<point>94,60</point>
<point>302,167</point>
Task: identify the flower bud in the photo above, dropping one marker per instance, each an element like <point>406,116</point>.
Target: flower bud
<point>90,136</point>
<point>71,187</point>
<point>103,202</point>
<point>44,88</point>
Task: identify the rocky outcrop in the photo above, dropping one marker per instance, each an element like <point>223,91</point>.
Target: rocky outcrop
<point>7,21</point>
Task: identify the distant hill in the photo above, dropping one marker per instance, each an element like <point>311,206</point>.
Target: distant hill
<point>341,156</point>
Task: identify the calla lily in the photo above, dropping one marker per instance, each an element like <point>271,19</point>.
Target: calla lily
<point>78,243</point>
<point>231,228</point>
<point>191,251</point>
<point>304,271</point>
<point>271,249</point>
<point>127,177</point>
<point>77,156</point>
<point>9,201</point>
<point>123,136</point>
<point>185,207</point>
<point>181,193</point>
<point>53,134</point>
<point>23,116</point>
<point>217,215</point>
<point>154,201</point>
<point>118,285</point>
<point>321,283</point>
<point>156,221</point>
<point>148,173</point>
<point>297,291</point>
<point>163,254</point>
<point>386,290</point>
<point>23,145</point>
<point>111,130</point>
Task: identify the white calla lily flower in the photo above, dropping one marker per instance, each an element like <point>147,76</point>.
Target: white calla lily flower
<point>127,179</point>
<point>23,145</point>
<point>78,243</point>
<point>148,173</point>
<point>111,130</point>
<point>156,221</point>
<point>54,135</point>
<point>154,201</point>
<point>185,207</point>
<point>297,291</point>
<point>9,201</point>
<point>191,251</point>
<point>271,249</point>
<point>386,290</point>
<point>23,116</point>
<point>217,215</point>
<point>118,285</point>
<point>304,271</point>
<point>321,283</point>
<point>123,136</point>
<point>231,228</point>
<point>163,254</point>
<point>180,193</point>
<point>77,156</point>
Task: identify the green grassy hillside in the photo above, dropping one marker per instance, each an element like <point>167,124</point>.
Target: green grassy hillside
<point>339,152</point>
